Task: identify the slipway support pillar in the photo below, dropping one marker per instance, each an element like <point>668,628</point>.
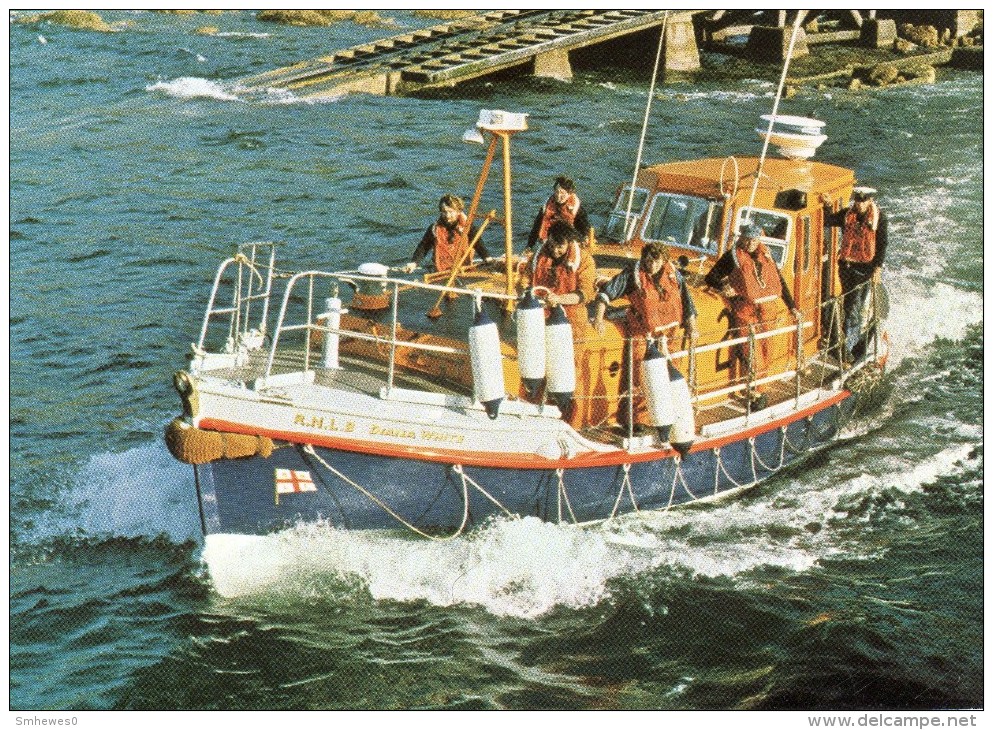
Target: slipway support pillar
<point>553,64</point>
<point>681,53</point>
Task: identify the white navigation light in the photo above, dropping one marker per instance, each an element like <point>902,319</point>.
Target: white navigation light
<point>796,138</point>
<point>373,269</point>
<point>497,120</point>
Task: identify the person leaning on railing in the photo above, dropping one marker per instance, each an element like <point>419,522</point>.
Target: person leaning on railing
<point>660,302</point>
<point>447,237</point>
<point>864,235</point>
<point>563,273</point>
<point>751,282</point>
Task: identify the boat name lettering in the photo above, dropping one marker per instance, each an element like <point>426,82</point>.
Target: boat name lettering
<point>397,433</point>
<point>323,423</point>
<point>441,436</point>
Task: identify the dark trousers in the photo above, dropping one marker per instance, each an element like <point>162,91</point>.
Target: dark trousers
<point>855,288</point>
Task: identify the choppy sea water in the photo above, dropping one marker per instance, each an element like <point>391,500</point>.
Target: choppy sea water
<point>854,582</point>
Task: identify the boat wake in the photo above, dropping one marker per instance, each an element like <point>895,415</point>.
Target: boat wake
<point>915,323</point>
<point>526,568</point>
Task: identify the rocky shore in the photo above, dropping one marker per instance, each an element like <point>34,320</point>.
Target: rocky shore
<point>897,53</point>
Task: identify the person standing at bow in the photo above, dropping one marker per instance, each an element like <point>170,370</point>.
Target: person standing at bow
<point>447,237</point>
<point>751,282</point>
<point>563,205</point>
<point>864,234</point>
<point>660,302</point>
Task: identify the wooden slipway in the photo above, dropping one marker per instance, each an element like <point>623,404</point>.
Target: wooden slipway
<point>539,41</point>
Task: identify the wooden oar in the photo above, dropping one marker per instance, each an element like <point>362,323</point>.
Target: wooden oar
<point>436,311</point>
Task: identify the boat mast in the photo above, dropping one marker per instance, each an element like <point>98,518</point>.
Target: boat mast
<point>644,128</point>
<point>775,107</point>
<point>508,235</point>
<point>502,126</point>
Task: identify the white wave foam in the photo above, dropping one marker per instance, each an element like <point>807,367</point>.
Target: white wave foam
<point>662,94</point>
<point>526,568</point>
<point>142,492</point>
<point>240,34</point>
<point>192,87</point>
<point>914,321</point>
<point>285,96</point>
<point>512,568</point>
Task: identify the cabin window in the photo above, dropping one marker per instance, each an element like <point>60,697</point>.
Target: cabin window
<point>620,225</point>
<point>806,244</point>
<point>684,221</point>
<point>775,226</point>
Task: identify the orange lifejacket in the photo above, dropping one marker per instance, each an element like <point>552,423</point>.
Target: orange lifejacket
<point>654,307</point>
<point>560,278</point>
<point>555,212</point>
<point>858,236</point>
<point>746,280</point>
<point>449,243</point>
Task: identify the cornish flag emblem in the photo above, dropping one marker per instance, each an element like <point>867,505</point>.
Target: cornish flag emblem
<point>289,481</point>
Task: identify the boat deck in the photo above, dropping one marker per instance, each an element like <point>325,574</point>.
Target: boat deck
<point>359,375</point>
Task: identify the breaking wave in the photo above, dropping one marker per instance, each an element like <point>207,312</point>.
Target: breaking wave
<point>139,493</point>
<point>526,568</point>
<point>192,87</point>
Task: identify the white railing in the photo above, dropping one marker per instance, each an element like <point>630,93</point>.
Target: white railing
<point>252,283</point>
<point>243,294</point>
<point>395,287</point>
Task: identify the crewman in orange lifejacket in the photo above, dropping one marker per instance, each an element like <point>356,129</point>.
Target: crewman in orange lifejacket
<point>751,282</point>
<point>564,273</point>
<point>447,237</point>
<point>864,230</point>
<point>660,302</point>
<point>563,205</point>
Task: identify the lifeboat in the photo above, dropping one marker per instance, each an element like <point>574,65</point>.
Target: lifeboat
<point>367,414</point>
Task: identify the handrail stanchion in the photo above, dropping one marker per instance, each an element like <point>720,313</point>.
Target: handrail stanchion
<point>248,294</point>
<point>691,366</point>
<point>263,325</point>
<point>630,390</point>
<point>839,327</point>
<point>751,370</point>
<point>799,357</point>
<point>393,339</point>
<point>210,302</point>
<point>875,319</point>
<point>310,318</point>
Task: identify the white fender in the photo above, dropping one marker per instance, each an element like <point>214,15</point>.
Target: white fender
<point>487,363</point>
<point>655,385</point>
<point>683,432</point>
<point>560,362</point>
<point>531,343</point>
<point>332,320</point>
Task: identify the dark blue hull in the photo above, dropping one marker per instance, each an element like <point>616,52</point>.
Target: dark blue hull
<point>360,491</point>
